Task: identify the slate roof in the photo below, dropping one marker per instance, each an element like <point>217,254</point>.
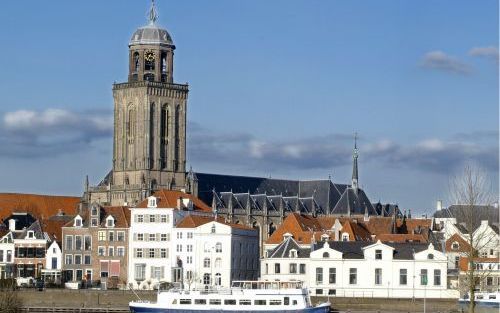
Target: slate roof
<point>481,213</point>
<point>283,249</point>
<point>353,203</point>
<point>23,220</point>
<point>349,249</point>
<point>325,193</point>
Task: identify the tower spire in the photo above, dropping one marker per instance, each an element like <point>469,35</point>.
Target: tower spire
<point>152,14</point>
<point>354,184</point>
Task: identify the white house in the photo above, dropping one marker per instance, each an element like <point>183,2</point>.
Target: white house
<point>151,240</point>
<point>212,253</point>
<point>7,256</point>
<point>361,269</point>
<point>53,263</point>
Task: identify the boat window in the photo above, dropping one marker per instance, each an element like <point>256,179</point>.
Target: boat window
<point>230,302</point>
<point>200,301</point>
<point>274,302</point>
<point>479,297</point>
<point>286,301</point>
<point>215,301</point>
<point>245,302</point>
<point>294,302</point>
<point>332,292</point>
<point>184,301</point>
<point>259,302</point>
<point>492,297</point>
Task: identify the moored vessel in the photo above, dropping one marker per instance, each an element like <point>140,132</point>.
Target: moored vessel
<point>243,296</point>
<point>483,298</point>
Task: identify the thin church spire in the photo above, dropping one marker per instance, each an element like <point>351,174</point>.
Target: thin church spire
<point>354,184</point>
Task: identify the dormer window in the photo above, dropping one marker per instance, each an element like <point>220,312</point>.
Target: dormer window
<point>455,245</point>
<point>430,256</point>
<point>293,253</point>
<point>31,234</point>
<point>78,222</point>
<point>378,254</point>
<point>94,211</point>
<point>345,237</point>
<point>110,221</point>
<point>152,202</point>
<point>326,255</point>
<point>213,229</point>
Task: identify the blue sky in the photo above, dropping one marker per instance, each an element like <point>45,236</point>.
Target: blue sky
<point>277,89</point>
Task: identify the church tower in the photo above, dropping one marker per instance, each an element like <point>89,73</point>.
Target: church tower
<point>149,143</point>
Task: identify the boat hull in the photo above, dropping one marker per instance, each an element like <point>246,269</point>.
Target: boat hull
<point>141,308</point>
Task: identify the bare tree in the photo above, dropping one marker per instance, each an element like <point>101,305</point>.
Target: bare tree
<point>10,302</point>
<point>469,190</point>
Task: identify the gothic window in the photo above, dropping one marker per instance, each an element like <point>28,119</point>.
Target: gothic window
<point>177,135</point>
<point>272,228</point>
<point>149,77</point>
<point>131,123</point>
<point>164,62</point>
<point>164,125</point>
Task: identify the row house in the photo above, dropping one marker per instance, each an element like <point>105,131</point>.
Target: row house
<point>360,269</point>
<point>486,274</point>
<point>176,238</point>
<point>152,222</point>
<point>95,247</point>
<point>211,252</point>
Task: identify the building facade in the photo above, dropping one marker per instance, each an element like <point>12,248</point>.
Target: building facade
<point>149,142</point>
<point>360,269</point>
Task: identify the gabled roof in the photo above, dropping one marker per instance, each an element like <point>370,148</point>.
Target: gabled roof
<point>464,246</point>
<point>121,215</point>
<point>401,238</point>
<point>481,213</point>
<point>353,203</point>
<point>283,249</point>
<point>301,227</point>
<point>356,231</point>
<point>193,220</point>
<point>168,199</point>
<point>53,226</point>
<point>40,206</point>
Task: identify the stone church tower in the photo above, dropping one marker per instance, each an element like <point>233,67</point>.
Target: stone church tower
<point>149,142</point>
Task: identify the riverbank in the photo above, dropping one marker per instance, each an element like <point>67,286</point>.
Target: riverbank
<point>119,299</point>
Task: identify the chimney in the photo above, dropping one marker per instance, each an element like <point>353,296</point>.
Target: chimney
<point>12,224</point>
<point>439,205</point>
<point>180,203</point>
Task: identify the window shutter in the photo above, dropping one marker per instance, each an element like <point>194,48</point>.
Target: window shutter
<point>152,272</point>
<point>135,219</point>
<point>135,236</point>
<point>158,237</point>
<point>163,272</point>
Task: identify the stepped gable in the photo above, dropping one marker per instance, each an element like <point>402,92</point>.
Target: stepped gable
<point>40,206</point>
<point>169,199</point>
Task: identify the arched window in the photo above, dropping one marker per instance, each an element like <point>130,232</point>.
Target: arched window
<point>131,123</point>
<point>326,255</point>
<point>206,279</point>
<point>272,228</point>
<point>455,245</point>
<point>136,62</point>
<point>164,65</point>
<point>218,263</point>
<point>218,247</point>
<point>345,237</point>
<point>206,262</point>
<point>213,229</point>
<point>218,279</point>
<point>149,77</point>
<point>164,125</point>
<point>430,256</point>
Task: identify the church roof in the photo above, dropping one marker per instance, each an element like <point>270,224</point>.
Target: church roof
<point>151,34</point>
<point>168,199</point>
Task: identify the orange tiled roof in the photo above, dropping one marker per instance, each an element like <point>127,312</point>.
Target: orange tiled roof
<point>168,199</point>
<point>356,231</point>
<point>192,221</point>
<point>53,226</point>
<point>302,228</point>
<point>463,246</point>
<point>121,214</point>
<point>40,206</point>
<point>463,263</point>
<point>401,238</point>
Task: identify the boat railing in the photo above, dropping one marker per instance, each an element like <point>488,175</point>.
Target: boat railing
<point>201,290</point>
<point>276,285</point>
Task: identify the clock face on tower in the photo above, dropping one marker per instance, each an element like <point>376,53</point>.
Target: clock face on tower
<point>149,56</point>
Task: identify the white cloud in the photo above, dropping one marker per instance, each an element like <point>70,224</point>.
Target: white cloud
<point>485,52</point>
<point>438,60</point>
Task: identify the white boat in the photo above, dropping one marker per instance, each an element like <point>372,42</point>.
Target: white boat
<point>483,298</point>
<point>243,296</point>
